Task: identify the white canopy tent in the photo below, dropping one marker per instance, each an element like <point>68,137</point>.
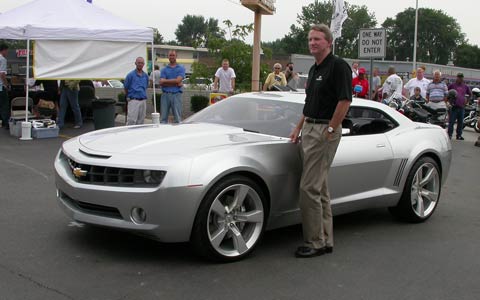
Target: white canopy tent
<point>75,39</point>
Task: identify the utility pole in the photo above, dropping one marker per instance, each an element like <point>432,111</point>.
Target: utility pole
<point>415,39</point>
<point>259,7</point>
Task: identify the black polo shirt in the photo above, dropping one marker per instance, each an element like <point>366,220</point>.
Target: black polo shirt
<point>327,83</point>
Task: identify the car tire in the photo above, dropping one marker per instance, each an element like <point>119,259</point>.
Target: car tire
<point>230,220</point>
<point>421,192</point>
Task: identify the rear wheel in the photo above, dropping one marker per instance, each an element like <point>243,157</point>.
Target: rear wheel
<point>230,220</point>
<point>421,192</point>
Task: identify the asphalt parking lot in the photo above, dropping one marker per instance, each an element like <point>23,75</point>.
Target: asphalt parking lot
<point>44,255</point>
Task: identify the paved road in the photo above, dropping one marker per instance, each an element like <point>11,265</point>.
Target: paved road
<point>43,255</point>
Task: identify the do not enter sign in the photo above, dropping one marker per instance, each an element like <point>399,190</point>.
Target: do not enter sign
<point>372,43</point>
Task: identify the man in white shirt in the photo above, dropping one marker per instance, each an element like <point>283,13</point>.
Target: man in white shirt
<point>226,77</point>
<point>392,87</point>
<point>418,81</point>
<point>354,69</point>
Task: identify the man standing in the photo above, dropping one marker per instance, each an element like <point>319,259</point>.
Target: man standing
<point>136,84</point>
<point>289,74</point>
<point>354,69</point>
<point>376,84</point>
<point>69,96</point>
<point>328,97</point>
<point>171,82</point>
<point>457,111</point>
<point>4,101</point>
<point>418,81</point>
<point>155,77</point>
<point>437,92</point>
<point>392,87</point>
<point>226,76</point>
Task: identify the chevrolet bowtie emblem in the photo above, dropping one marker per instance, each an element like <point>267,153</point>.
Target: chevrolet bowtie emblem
<point>78,172</point>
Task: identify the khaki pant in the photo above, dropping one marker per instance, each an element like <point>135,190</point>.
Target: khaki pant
<point>314,203</point>
<point>137,110</point>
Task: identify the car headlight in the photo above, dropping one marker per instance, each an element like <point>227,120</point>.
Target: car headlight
<point>153,177</point>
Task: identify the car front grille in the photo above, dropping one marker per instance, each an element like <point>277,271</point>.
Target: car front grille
<point>109,176</point>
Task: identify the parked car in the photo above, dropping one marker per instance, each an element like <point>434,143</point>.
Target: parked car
<point>199,83</point>
<point>230,172</point>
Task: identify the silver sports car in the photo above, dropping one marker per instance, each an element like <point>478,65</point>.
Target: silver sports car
<point>229,172</point>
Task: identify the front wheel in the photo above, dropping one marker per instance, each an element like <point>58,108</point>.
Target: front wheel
<point>421,192</point>
<point>230,220</point>
<point>476,126</point>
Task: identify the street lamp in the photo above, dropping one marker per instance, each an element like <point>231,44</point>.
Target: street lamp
<point>415,38</point>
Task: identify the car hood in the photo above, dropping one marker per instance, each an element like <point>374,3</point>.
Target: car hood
<point>180,139</point>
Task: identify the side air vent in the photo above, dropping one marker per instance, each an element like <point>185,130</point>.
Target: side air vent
<point>401,168</point>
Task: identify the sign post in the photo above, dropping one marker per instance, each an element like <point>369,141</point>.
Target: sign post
<point>372,43</point>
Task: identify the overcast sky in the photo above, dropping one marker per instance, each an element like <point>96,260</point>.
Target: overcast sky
<point>166,15</point>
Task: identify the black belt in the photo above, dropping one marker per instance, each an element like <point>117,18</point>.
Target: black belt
<point>316,121</point>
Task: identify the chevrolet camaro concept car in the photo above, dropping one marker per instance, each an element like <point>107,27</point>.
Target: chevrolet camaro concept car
<point>230,172</point>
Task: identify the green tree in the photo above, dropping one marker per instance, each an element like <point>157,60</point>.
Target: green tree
<point>467,56</point>
<point>321,12</point>
<point>437,36</point>
<point>236,51</point>
<point>195,31</point>
<point>157,37</point>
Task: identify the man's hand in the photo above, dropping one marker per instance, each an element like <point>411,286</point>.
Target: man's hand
<point>295,135</point>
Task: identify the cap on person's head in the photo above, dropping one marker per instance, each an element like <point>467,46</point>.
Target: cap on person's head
<point>362,71</point>
<point>460,75</point>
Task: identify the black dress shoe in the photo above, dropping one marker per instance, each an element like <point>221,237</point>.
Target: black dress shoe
<point>328,249</point>
<point>460,138</point>
<point>305,252</point>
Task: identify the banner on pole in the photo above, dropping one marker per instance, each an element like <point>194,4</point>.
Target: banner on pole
<point>338,17</point>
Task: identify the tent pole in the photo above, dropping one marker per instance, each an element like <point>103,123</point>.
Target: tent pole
<point>27,126</point>
<point>153,83</point>
<point>155,115</point>
<point>26,80</point>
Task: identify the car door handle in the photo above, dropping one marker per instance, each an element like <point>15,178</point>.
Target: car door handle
<point>380,145</point>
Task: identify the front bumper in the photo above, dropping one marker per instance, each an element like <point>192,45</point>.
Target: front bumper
<point>170,211</point>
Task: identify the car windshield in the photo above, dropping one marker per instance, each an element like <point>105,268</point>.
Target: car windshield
<point>116,83</point>
<point>272,117</point>
<point>298,83</point>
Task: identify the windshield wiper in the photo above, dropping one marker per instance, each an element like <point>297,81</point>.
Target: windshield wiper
<point>248,130</point>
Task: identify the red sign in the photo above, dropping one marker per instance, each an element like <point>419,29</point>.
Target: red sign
<point>21,52</point>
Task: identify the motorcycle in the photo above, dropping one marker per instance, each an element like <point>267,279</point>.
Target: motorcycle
<point>410,108</point>
<point>471,116</point>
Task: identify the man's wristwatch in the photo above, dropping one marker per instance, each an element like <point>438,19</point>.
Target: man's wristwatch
<point>330,129</point>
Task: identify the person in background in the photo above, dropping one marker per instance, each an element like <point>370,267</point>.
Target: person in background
<point>225,76</point>
<point>376,84</point>
<point>275,78</point>
<point>4,100</point>
<point>417,95</point>
<point>155,77</point>
<point>354,69</point>
<point>289,74</point>
<point>135,85</point>
<point>171,82</point>
<point>69,96</point>
<point>392,87</point>
<point>419,81</point>
<point>328,98</point>
<point>457,110</point>
<point>437,92</point>
<point>360,84</point>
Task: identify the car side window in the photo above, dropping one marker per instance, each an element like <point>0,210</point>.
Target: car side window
<point>366,120</point>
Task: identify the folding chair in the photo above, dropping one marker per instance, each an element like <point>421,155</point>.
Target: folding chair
<point>17,107</point>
